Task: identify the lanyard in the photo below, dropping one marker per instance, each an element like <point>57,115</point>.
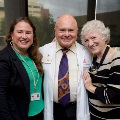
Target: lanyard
<point>35,81</point>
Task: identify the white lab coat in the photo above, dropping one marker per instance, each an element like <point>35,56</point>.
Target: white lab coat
<point>48,61</point>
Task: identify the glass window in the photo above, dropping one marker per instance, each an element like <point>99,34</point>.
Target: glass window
<point>2,24</point>
<point>108,11</point>
<point>50,10</point>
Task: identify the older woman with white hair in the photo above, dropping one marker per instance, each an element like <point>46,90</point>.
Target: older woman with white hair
<point>103,79</point>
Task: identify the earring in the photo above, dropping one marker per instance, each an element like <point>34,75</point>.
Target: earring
<point>32,44</point>
<point>11,43</point>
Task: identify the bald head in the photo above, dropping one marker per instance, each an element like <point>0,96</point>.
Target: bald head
<point>66,30</point>
<point>66,18</point>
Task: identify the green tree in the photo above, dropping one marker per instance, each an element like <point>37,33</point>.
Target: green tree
<point>45,29</point>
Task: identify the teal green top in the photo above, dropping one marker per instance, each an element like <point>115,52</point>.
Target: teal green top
<point>36,106</point>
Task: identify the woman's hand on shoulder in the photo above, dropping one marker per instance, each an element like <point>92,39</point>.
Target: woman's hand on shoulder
<point>54,40</point>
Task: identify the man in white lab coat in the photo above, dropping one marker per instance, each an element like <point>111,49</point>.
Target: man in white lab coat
<point>66,32</point>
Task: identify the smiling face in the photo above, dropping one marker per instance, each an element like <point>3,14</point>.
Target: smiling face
<point>22,37</point>
<point>95,43</point>
<point>66,31</point>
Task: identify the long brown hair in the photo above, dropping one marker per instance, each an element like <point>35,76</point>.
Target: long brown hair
<point>33,50</point>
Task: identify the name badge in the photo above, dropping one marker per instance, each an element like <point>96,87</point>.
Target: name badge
<point>35,96</point>
<point>46,59</point>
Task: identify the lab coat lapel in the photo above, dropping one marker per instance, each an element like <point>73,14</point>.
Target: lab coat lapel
<point>52,53</point>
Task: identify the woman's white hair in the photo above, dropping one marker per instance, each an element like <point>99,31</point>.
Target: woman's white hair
<point>95,26</point>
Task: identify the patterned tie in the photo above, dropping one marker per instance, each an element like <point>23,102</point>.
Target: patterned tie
<point>63,80</point>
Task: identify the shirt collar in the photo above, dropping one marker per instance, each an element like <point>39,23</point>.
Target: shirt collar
<point>72,48</point>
